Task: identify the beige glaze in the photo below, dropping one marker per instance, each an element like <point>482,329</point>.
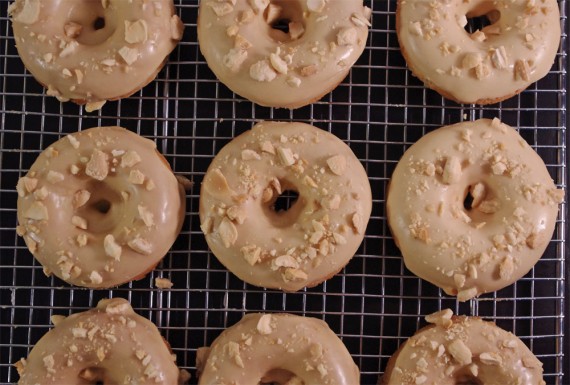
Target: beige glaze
<point>277,69</point>
<point>109,344</point>
<point>464,251</point>
<point>282,349</point>
<point>304,245</point>
<point>100,207</point>
<point>463,350</point>
<point>60,46</point>
<point>488,66</point>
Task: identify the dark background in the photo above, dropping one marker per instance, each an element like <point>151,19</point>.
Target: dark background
<point>374,304</point>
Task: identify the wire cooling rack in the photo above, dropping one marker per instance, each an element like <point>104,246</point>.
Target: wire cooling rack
<point>374,304</point>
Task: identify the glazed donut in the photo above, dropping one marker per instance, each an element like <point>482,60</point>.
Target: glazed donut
<point>472,207</point>
<point>277,348</point>
<point>489,65</point>
<point>91,51</point>
<point>109,344</point>
<point>100,207</point>
<point>288,249</point>
<point>286,67</point>
<point>462,350</point>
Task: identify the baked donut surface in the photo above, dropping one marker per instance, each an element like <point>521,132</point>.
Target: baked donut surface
<point>489,65</point>
<point>91,51</point>
<point>288,249</point>
<point>277,348</point>
<point>286,67</point>
<point>462,350</point>
<point>100,207</point>
<point>109,344</point>
<point>472,207</point>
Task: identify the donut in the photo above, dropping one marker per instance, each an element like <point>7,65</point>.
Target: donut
<point>490,65</point>
<point>109,344</point>
<point>91,51</point>
<point>472,207</point>
<point>462,350</point>
<point>291,248</point>
<point>100,207</point>
<point>277,348</point>
<point>282,53</point>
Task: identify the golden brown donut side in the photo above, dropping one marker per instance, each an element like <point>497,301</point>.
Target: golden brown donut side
<point>282,348</point>
<point>100,207</point>
<point>109,343</point>
<point>316,236</point>
<point>91,51</point>
<point>460,349</point>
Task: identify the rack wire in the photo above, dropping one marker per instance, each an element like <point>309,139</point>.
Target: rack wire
<point>374,304</point>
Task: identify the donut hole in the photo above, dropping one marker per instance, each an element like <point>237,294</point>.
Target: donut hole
<point>94,375</point>
<point>284,209</point>
<point>89,25</point>
<point>103,209</point>
<point>285,20</point>
<point>99,23</point>
<point>468,201</point>
<point>285,201</point>
<point>469,381</point>
<point>482,19</point>
<point>281,25</point>
<point>103,206</point>
<point>277,377</point>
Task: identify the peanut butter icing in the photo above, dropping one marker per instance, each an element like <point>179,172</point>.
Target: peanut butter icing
<point>91,51</point>
<point>316,236</point>
<point>472,207</point>
<point>100,207</point>
<point>487,66</point>
<point>109,344</point>
<point>462,350</point>
<point>277,348</point>
<point>282,67</point>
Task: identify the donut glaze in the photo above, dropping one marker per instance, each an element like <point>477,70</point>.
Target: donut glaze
<point>482,248</point>
<point>487,66</point>
<point>90,51</point>
<point>109,344</point>
<point>276,68</point>
<point>278,348</point>
<point>100,207</point>
<point>299,247</point>
<point>462,350</point>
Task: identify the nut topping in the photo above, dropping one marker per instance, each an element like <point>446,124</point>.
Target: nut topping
<point>112,248</point>
<point>28,13</point>
<point>337,164</point>
<point>140,245</point>
<point>451,171</point>
<point>97,167</point>
<point>286,156</point>
<point>37,211</point>
<point>440,318</point>
<point>264,324</point>
<point>347,36</point>
<point>460,352</point>
<point>228,232</point>
<point>262,71</point>
<point>136,32</point>
<point>80,198</point>
<point>26,185</point>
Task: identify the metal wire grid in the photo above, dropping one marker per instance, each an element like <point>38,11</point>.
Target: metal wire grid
<point>374,304</point>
